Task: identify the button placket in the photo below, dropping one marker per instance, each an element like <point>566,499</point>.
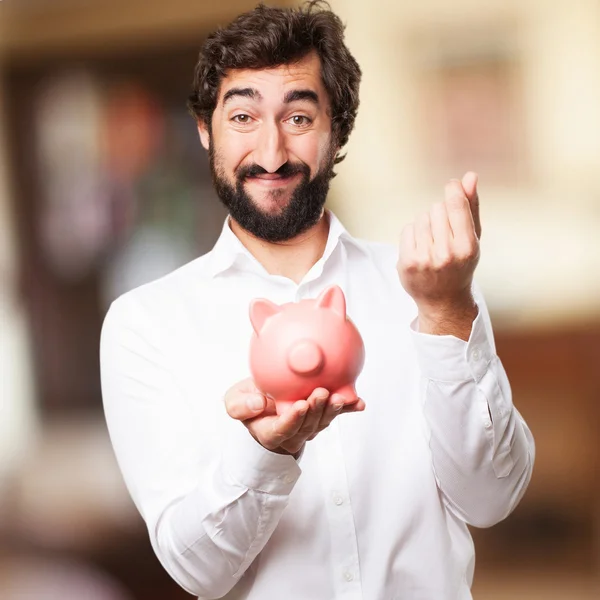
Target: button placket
<point>344,544</point>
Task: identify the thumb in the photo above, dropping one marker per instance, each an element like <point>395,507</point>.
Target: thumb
<point>242,405</point>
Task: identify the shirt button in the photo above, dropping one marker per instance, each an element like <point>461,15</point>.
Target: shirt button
<point>338,500</point>
<point>288,479</point>
<point>487,423</point>
<point>348,576</point>
<point>476,355</point>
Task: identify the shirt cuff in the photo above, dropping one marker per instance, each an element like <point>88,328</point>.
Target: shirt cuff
<point>257,468</point>
<point>448,358</point>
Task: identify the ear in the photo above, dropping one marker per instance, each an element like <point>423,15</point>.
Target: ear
<point>260,311</point>
<point>333,298</point>
<point>204,135</point>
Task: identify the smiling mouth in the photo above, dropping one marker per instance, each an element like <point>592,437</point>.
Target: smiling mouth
<point>271,179</point>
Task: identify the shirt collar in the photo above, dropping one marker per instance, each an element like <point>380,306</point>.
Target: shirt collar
<point>229,251</point>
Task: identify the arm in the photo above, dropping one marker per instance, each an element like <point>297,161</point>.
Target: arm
<point>482,450</point>
<point>208,513</point>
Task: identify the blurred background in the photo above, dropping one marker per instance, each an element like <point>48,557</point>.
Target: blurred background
<point>104,186</point>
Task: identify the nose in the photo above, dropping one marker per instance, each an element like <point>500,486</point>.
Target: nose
<point>270,152</point>
<point>305,357</point>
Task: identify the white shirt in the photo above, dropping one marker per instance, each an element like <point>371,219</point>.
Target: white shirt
<point>377,506</point>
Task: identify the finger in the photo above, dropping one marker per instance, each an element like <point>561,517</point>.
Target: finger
<point>442,234</point>
<point>272,432</point>
<point>356,407</point>
<point>423,236</point>
<point>317,402</point>
<point>459,214</point>
<point>469,183</point>
<point>332,410</point>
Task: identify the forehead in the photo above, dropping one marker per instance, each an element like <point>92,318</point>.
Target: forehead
<point>272,83</point>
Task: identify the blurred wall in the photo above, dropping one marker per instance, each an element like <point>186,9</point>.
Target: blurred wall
<point>17,400</point>
<point>32,27</point>
<point>508,89</point>
<point>33,32</point>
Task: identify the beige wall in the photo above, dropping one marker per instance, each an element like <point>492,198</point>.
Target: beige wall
<point>541,242</point>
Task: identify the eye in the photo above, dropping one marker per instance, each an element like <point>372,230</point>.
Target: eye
<point>300,120</point>
<point>242,119</point>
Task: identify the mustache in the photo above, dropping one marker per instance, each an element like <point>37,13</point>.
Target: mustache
<point>286,170</point>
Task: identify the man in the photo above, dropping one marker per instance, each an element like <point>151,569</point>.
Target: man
<point>313,504</point>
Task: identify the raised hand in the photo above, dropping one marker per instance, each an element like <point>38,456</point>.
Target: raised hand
<point>438,256</point>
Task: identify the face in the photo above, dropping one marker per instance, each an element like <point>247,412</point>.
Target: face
<point>270,147</point>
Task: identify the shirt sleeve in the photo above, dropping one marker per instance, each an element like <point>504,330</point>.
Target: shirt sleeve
<point>482,449</point>
<point>209,510</point>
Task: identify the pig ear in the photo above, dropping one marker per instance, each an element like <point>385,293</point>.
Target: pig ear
<point>260,311</point>
<point>333,298</point>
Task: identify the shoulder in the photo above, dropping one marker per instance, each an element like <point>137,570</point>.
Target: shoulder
<point>158,302</point>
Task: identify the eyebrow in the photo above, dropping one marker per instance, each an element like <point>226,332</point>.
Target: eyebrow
<point>243,92</point>
<point>253,94</point>
<point>295,95</point>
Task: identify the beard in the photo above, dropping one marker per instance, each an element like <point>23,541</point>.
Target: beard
<point>302,211</point>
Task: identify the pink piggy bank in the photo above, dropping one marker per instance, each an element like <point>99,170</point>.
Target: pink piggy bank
<point>300,346</point>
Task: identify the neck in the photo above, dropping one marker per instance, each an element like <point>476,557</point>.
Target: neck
<point>292,258</point>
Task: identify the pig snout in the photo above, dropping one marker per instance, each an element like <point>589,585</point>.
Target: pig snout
<point>305,357</point>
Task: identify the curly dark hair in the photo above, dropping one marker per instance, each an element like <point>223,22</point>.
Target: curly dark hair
<point>267,37</point>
